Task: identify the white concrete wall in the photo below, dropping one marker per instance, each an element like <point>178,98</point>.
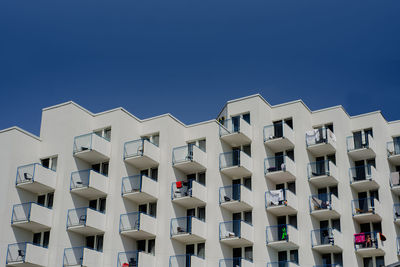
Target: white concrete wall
<point>60,124</point>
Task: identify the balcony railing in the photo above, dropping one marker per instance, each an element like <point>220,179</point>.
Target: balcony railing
<point>231,229</point>
<point>363,206</point>
<point>137,225</point>
<point>366,240</point>
<point>231,126</point>
<point>86,142</point>
<point>360,173</point>
<point>135,258</point>
<point>276,164</point>
<point>86,221</point>
<point>278,136</point>
<point>185,260</point>
<point>92,183</point>
<point>35,171</point>
<point>235,262</point>
<point>282,264</point>
<point>130,221</point>
<point>28,253</point>
<point>80,256</point>
<point>361,141</point>
<point>318,168</point>
<point>229,193</point>
<point>136,183</point>
<point>393,148</point>
<point>277,197</point>
<point>181,225</point>
<point>231,159</point>
<point>281,232</point>
<point>319,136</point>
<point>326,236</point>
<point>136,148</point>
<point>321,202</point>
<point>22,212</point>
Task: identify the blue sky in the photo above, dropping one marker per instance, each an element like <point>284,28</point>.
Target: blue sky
<point>188,57</point>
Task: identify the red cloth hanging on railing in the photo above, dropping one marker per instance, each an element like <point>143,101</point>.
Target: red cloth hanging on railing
<point>179,184</point>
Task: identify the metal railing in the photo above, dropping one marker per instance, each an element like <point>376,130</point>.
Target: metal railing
<point>85,142</point>
<point>181,225</point>
<point>357,142</point>
<point>130,221</point>
<point>231,229</point>
<point>130,258</point>
<point>229,193</point>
<point>233,262</point>
<point>393,148</point>
<point>324,236</point>
<point>76,217</point>
<point>273,131</point>
<point>276,197</point>
<point>318,168</point>
<point>363,205</point>
<point>276,163</point>
<point>280,232</point>
<point>131,184</point>
<point>230,126</point>
<point>319,136</point>
<point>366,240</point>
<point>360,173</point>
<point>230,159</point>
<point>136,148</point>
<point>182,189</point>
<point>320,202</point>
<point>17,252</point>
<point>183,153</point>
<point>80,179</point>
<point>21,212</point>
<point>281,264</point>
<point>26,173</point>
<point>74,256</point>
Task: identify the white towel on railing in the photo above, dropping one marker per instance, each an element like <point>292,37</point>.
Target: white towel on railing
<point>276,196</point>
<point>310,137</point>
<point>332,136</point>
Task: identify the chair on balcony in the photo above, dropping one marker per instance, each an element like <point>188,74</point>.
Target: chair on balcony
<point>27,176</point>
<point>21,254</point>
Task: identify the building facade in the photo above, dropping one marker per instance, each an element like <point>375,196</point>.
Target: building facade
<point>262,185</point>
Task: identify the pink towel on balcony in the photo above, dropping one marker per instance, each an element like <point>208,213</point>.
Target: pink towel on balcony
<point>359,238</point>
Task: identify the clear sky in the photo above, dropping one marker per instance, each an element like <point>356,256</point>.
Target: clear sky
<point>188,57</point>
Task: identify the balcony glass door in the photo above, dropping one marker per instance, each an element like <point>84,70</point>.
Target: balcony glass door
<point>278,129</point>
<point>236,217</point>
<point>320,165</point>
<point>357,136</point>
<point>235,124</point>
<point>236,189</point>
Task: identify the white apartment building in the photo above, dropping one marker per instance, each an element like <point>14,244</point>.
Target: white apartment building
<point>262,185</point>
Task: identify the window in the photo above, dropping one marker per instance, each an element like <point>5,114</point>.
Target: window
<point>101,168</point>
<point>95,242</point>
<point>294,256</point>
<point>36,238</point>
<point>46,200</point>
<point>141,245</point>
<point>201,213</point>
<point>41,200</point>
<point>248,253</point>
<point>151,246</point>
<point>334,191</point>
<point>290,154</point>
<point>380,261</point>
<point>368,262</point>
<point>155,139</point>
<point>93,204</point>
<point>293,220</point>
<point>289,122</point>
<point>336,224</point>
<point>248,217</point>
<point>90,242</point>
<point>202,178</point>
<point>46,239</point>
<point>102,205</point>
<point>246,117</point>
<point>153,209</point>
<point>201,251</point>
<point>99,243</point>
<point>50,163</point>
<point>202,144</point>
<point>144,172</point>
<point>143,208</point>
<point>154,173</point>
<point>329,126</point>
<point>247,182</point>
<point>331,158</point>
<point>247,149</point>
<point>292,187</point>
<point>50,200</point>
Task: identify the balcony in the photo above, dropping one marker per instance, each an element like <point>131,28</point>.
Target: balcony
<point>92,148</point>
<point>280,169</point>
<point>236,262</point>
<point>235,132</point>
<point>236,233</point>
<point>393,152</point>
<point>186,260</point>
<point>361,147</point>
<point>325,206</point>
<point>26,254</point>
<point>363,178</point>
<point>86,221</point>
<point>89,184</point>
<point>137,225</point>
<point>36,178</point>
<point>282,264</point>
<point>140,189</point>
<point>278,137</point>
<point>189,194</point>
<point>327,240</point>
<point>281,202</point>
<point>321,142</point>
<point>282,237</point>
<point>235,164</point>
<point>135,258</point>
<point>322,173</point>
<point>141,154</point>
<point>368,244</point>
<point>366,210</point>
<point>32,217</point>
<point>188,229</point>
<point>82,256</point>
<point>396,213</point>
<point>328,265</point>
<point>189,159</point>
<point>395,182</point>
<point>236,198</point>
